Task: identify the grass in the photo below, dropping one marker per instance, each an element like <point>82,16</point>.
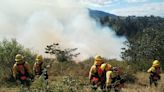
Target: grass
<point>142,84</point>
<point>64,78</point>
<point>81,84</point>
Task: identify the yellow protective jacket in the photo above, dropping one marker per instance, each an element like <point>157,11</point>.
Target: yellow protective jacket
<point>38,68</point>
<point>109,76</point>
<point>94,71</point>
<point>16,70</point>
<point>154,71</point>
<point>151,69</point>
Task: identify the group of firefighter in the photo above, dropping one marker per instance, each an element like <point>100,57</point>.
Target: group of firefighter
<point>23,73</point>
<point>101,74</point>
<point>109,78</point>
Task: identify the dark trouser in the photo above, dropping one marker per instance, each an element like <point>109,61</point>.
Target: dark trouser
<point>112,89</point>
<point>95,83</point>
<point>151,81</point>
<point>154,80</point>
<point>24,85</point>
<point>103,86</point>
<point>26,82</point>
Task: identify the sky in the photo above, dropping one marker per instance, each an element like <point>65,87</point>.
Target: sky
<point>128,7</point>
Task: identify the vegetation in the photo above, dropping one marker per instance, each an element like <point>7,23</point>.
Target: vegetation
<point>8,50</point>
<point>61,55</point>
<point>145,38</point>
<point>145,42</point>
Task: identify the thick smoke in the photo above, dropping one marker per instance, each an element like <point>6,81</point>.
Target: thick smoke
<point>37,23</point>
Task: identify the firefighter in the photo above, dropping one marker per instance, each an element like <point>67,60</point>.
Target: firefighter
<point>39,70</point>
<point>22,71</point>
<point>154,71</point>
<point>114,82</point>
<point>94,76</point>
<point>104,68</point>
<point>38,65</point>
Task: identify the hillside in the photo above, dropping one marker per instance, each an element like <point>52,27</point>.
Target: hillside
<point>100,14</point>
<point>145,36</point>
<point>128,26</point>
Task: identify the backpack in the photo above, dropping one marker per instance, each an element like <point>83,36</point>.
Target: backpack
<point>22,72</point>
<point>155,75</point>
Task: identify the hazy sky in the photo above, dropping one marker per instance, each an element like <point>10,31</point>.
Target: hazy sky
<point>128,7</point>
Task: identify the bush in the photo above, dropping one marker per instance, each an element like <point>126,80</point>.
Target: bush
<point>70,84</point>
<point>8,50</point>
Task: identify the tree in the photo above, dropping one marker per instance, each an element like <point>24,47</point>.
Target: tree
<point>61,55</point>
<point>145,47</point>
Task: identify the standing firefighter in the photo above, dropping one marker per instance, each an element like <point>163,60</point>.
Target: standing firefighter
<point>22,71</point>
<point>39,70</point>
<point>154,71</point>
<point>95,71</point>
<point>114,82</point>
<point>38,65</point>
<point>104,68</point>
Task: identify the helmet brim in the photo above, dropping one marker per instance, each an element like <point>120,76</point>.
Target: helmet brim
<point>17,60</point>
<point>155,65</point>
<point>98,59</point>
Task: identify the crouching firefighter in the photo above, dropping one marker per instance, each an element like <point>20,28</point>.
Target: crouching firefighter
<point>94,73</point>
<point>114,82</point>
<point>104,68</point>
<point>154,71</point>
<point>22,72</point>
<point>39,70</point>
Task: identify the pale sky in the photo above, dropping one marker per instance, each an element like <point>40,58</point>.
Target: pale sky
<point>128,7</point>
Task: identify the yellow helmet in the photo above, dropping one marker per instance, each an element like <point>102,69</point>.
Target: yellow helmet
<point>18,57</point>
<point>39,58</point>
<point>156,63</point>
<point>98,60</point>
<point>105,66</point>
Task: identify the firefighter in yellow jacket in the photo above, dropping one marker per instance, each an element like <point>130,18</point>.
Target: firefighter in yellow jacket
<point>94,76</point>
<point>114,82</point>
<point>22,71</point>
<point>38,67</point>
<point>154,71</point>
<point>104,68</point>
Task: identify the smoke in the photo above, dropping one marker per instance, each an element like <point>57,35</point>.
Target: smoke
<point>37,23</point>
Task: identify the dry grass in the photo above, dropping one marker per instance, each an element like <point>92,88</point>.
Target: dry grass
<point>142,84</point>
<point>79,83</point>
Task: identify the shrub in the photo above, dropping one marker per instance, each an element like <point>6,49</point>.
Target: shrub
<point>8,50</point>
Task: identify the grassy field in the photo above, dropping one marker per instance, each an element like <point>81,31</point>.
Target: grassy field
<point>142,84</point>
<point>81,84</point>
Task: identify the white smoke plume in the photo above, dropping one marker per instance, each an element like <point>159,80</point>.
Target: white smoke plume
<point>37,23</point>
